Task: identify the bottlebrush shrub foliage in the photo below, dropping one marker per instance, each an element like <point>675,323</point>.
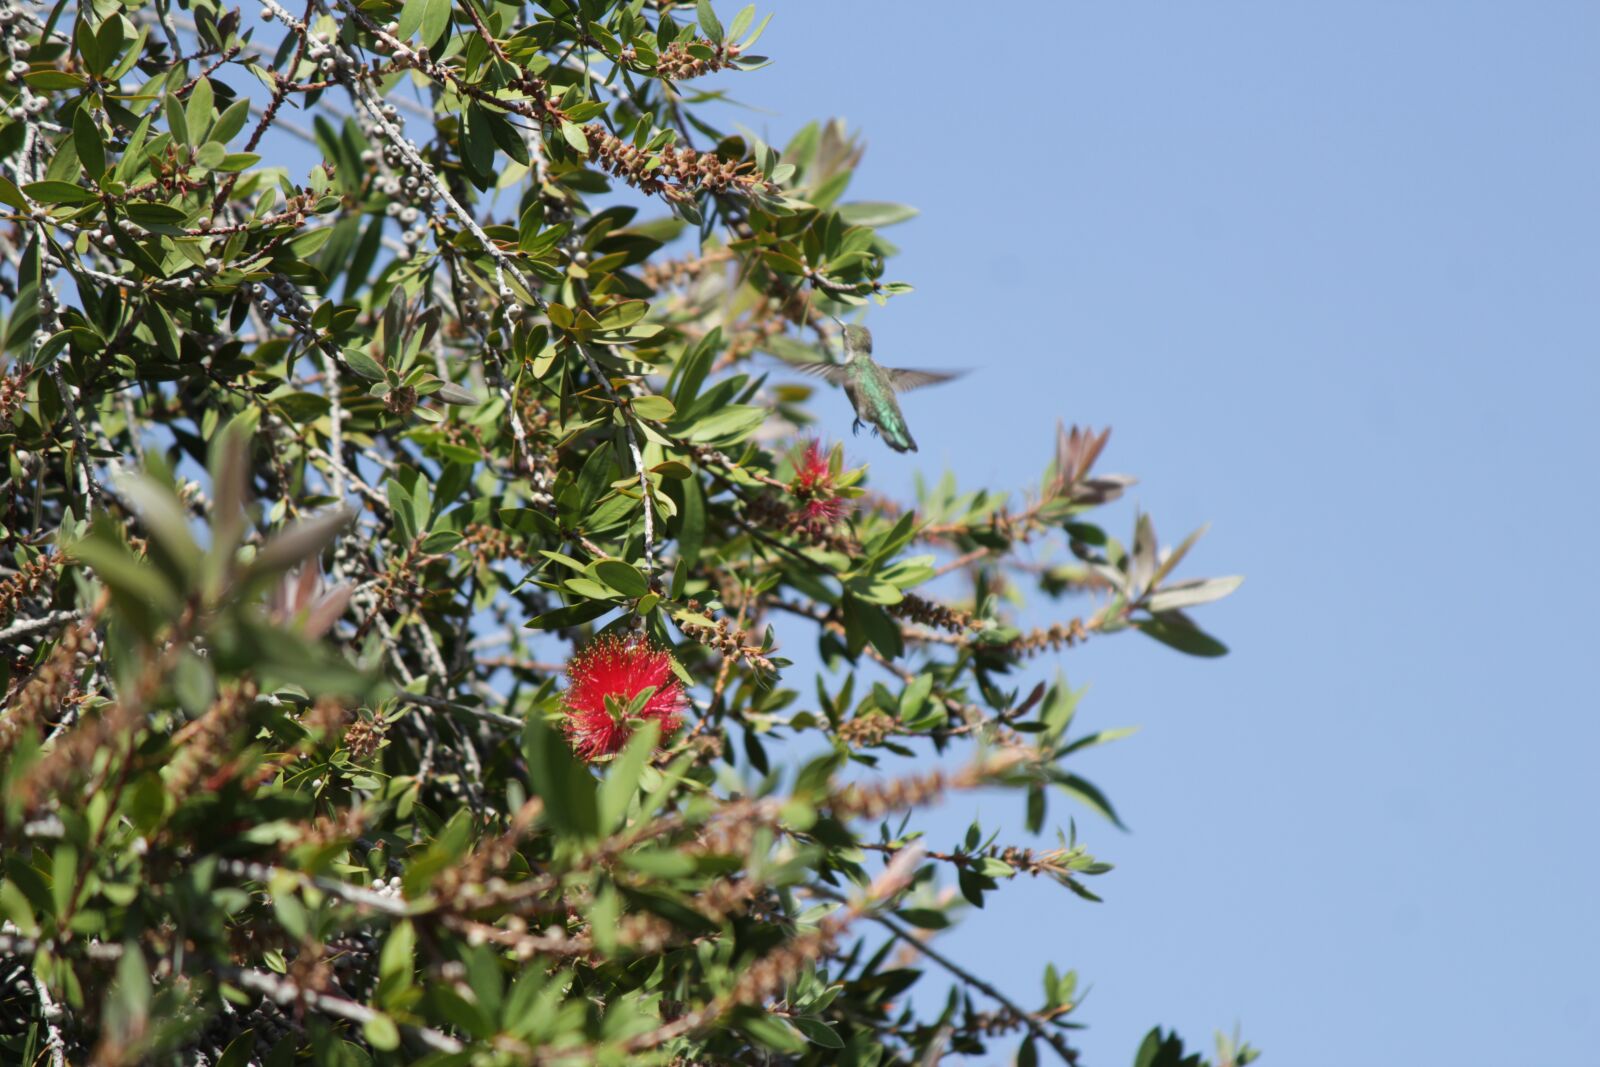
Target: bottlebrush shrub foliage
<point>402,547</point>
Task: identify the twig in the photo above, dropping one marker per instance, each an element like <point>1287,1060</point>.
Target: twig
<point>285,991</point>
<point>331,388</point>
<point>91,487</point>
<point>51,1012</point>
<point>638,460</point>
<point>436,704</point>
<point>1037,1028</point>
<point>354,894</point>
<point>43,622</point>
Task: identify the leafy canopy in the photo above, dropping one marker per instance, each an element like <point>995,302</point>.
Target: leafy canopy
<point>320,476</point>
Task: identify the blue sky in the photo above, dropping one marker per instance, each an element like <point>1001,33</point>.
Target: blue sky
<point>1329,272</point>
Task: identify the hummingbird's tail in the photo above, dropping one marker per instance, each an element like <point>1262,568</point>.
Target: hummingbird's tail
<point>899,439</point>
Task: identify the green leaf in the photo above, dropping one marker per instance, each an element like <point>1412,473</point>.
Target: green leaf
<point>585,588</point>
<point>104,552</point>
<point>210,155</point>
<point>1175,556</point>
<point>622,777</point>
<point>1086,532</point>
<point>624,313</point>
<point>708,21</point>
<point>158,509</point>
<point>147,213</point>
<point>381,1032</point>
<point>300,542</point>
<point>756,36</point>
<point>410,19</point>
<point>1190,593</point>
<point>477,142</point>
<point>132,992</point>
<point>94,59</point>
<point>571,615</point>
<point>55,80</point>
<point>177,124</point>
<point>1176,632</point>
<point>875,213</point>
<point>991,867</point>
<point>197,113</point>
<point>691,527</point>
<point>770,1030</point>
<point>817,1032</point>
<point>730,425</point>
<point>309,241</point>
<point>165,332</point>
<point>435,19</point>
<point>364,365</point>
<point>397,961</point>
<point>91,146</point>
<point>1060,704</point>
<point>231,121</point>
<point>560,780</point>
<point>1163,1050</point>
<point>694,366</point>
<point>439,541</point>
<point>914,696</point>
<point>1088,794</point>
<point>53,192</point>
<point>450,393</point>
<point>574,135</point>
<point>108,40</point>
<point>239,1051</point>
<point>869,624</point>
<point>623,577</point>
<point>11,196</point>
<point>925,918</point>
<point>14,907</point>
<point>1099,737</point>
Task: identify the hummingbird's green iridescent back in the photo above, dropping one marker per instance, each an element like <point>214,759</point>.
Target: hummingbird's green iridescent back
<point>872,393</point>
<point>872,388</point>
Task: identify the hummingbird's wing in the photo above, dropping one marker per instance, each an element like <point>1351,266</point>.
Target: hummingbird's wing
<point>904,380</point>
<point>820,368</point>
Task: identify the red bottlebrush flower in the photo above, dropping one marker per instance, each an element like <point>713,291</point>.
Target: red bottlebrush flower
<point>812,473</point>
<point>813,486</point>
<point>619,668</point>
<point>819,513</point>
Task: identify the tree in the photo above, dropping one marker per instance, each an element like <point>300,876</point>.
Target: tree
<point>404,555</point>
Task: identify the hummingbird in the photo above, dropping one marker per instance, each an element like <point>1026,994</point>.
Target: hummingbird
<point>872,387</point>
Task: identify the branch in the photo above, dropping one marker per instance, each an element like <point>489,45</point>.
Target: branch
<point>1030,1019</point>
<point>638,461</point>
<point>44,622</point>
<point>285,991</point>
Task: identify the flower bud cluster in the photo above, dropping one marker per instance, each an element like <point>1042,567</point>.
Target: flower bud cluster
<point>865,731</point>
<point>15,48</point>
<point>49,686</point>
<point>674,172</point>
<point>678,63</point>
<point>729,640</point>
<point>331,63</point>
<point>32,574</point>
<point>914,608</point>
<point>407,187</point>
